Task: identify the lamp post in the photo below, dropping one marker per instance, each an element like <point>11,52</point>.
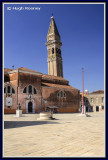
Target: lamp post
<point>82,93</point>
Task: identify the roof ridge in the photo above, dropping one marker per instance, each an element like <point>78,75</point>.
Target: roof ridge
<point>59,85</point>
<point>56,77</point>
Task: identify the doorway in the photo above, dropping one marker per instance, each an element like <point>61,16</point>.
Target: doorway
<point>97,108</point>
<point>87,109</point>
<point>91,109</point>
<point>30,107</point>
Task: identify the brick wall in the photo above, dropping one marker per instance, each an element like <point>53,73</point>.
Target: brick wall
<point>68,104</point>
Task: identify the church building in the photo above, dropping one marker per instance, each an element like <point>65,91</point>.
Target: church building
<point>35,91</point>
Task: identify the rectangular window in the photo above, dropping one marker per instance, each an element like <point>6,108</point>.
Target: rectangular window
<point>102,99</point>
<point>5,90</point>
<point>91,99</point>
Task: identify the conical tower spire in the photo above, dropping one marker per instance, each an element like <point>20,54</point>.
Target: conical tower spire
<point>53,28</point>
<point>54,50</point>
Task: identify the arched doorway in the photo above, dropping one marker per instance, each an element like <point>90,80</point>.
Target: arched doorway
<point>30,107</point>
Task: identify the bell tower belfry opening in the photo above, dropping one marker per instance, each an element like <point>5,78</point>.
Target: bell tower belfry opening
<point>54,44</point>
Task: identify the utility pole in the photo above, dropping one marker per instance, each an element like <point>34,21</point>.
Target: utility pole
<point>17,86</point>
<point>82,93</point>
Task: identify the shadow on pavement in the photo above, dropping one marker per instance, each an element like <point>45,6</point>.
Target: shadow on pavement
<point>88,115</point>
<point>16,124</point>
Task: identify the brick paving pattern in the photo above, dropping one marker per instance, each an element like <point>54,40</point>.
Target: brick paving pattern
<point>69,135</point>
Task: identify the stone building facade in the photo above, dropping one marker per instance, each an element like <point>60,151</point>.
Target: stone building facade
<point>94,101</point>
<point>36,91</point>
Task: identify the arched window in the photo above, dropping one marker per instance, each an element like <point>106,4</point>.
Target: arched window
<point>61,94</point>
<point>35,91</point>
<point>9,90</point>
<point>13,91</point>
<point>29,90</point>
<point>59,51</point>
<point>64,94</point>
<point>52,50</point>
<point>25,90</point>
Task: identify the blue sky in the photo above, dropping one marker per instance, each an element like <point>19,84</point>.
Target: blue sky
<point>81,27</point>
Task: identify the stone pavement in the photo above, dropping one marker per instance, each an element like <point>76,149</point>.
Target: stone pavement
<point>68,136</point>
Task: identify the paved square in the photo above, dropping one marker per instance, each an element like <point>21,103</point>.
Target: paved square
<point>69,135</point>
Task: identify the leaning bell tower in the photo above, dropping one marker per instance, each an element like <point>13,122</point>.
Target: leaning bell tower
<point>54,50</point>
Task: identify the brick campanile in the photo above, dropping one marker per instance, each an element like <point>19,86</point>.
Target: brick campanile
<point>54,50</point>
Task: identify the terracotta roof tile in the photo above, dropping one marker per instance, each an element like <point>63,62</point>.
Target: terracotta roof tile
<point>26,69</point>
<point>59,86</point>
<point>53,77</point>
<point>7,70</point>
<point>21,68</point>
<point>96,92</point>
